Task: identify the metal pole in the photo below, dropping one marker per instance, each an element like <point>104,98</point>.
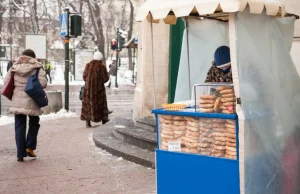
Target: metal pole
<point>133,64</point>
<point>152,54</point>
<point>188,54</point>
<point>67,66</point>
<point>117,58</point>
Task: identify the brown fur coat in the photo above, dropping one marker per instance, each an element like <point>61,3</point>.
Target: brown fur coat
<point>94,102</point>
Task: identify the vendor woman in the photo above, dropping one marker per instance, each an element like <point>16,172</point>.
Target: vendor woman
<point>221,67</point>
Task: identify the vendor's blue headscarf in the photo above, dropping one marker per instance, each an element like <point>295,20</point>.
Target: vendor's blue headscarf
<point>222,57</point>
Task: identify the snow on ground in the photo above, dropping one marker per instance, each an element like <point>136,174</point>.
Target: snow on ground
<point>5,120</point>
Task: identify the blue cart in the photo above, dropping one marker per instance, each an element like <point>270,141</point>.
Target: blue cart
<point>185,173</point>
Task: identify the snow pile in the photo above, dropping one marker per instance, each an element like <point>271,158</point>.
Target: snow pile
<point>4,120</point>
<point>61,114</point>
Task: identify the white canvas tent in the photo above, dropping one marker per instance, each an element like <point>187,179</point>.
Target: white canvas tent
<point>265,80</point>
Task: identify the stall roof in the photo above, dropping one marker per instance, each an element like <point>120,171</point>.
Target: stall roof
<point>131,43</point>
<point>170,10</point>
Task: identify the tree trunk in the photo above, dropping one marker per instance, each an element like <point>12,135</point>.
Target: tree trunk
<point>131,20</point>
<point>37,28</point>
<point>98,27</point>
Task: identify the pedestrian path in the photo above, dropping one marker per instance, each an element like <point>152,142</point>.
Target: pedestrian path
<point>69,162</point>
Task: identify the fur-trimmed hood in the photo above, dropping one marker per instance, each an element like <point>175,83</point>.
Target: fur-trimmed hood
<point>24,66</point>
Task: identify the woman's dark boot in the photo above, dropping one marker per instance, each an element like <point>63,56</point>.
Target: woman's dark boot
<point>20,160</point>
<point>105,121</point>
<point>88,124</point>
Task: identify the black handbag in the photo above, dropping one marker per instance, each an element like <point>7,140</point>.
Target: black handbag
<point>81,93</point>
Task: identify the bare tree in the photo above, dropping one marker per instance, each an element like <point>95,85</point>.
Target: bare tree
<point>130,31</point>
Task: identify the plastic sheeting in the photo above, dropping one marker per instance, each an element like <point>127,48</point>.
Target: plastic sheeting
<point>270,95</point>
<point>205,36</point>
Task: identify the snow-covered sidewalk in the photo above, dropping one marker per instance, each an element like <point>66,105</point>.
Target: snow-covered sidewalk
<point>5,120</point>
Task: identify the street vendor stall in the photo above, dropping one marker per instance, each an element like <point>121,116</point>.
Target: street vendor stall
<point>235,138</point>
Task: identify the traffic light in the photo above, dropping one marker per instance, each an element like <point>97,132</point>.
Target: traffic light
<point>122,35</point>
<point>113,44</point>
<point>2,51</point>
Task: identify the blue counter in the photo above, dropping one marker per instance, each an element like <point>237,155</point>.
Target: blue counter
<point>185,173</point>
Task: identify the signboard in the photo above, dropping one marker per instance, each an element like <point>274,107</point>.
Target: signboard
<point>2,52</point>
<point>37,43</point>
<point>82,57</point>
<point>174,146</point>
<point>64,24</point>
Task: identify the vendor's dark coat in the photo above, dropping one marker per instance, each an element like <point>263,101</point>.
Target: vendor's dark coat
<point>94,102</point>
<point>216,75</point>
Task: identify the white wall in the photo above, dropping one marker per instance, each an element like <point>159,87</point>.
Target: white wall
<point>295,54</point>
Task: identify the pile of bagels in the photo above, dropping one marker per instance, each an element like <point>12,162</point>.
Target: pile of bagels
<point>212,137</point>
<point>222,102</point>
<point>173,129</point>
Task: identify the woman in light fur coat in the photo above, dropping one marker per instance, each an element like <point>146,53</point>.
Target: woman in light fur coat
<point>23,105</point>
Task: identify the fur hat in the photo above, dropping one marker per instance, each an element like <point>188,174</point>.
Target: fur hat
<point>98,56</point>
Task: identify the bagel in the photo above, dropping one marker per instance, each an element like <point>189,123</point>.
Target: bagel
<point>227,95</point>
<point>227,91</point>
<point>217,104</point>
<point>193,151</point>
<point>229,144</point>
<point>229,135</point>
<point>178,118</point>
<point>167,117</point>
<point>219,155</point>
<point>231,131</point>
<point>220,143</point>
<point>193,129</point>
<point>192,124</point>
<point>231,149</point>
<point>205,150</point>
<point>226,104</point>
<point>165,121</point>
<point>206,135</point>
<point>191,133</point>
<point>167,136</point>
<point>204,145</point>
<point>227,125</point>
<point>218,125</point>
<point>179,123</point>
<point>193,119</point>
<point>220,130</point>
<point>230,157</point>
<point>189,140</point>
<point>224,100</point>
<point>204,130</point>
<point>168,132</point>
<point>207,110</point>
<point>191,145</point>
<point>192,137</point>
<point>223,88</point>
<point>179,132</point>
<point>208,97</point>
<point>202,101</point>
<point>231,140</point>
<point>233,122</point>
<point>205,140</point>
<point>164,147</point>
<point>224,107</point>
<point>206,105</point>
<point>164,143</point>
<point>218,134</point>
<point>178,128</point>
<point>231,153</point>
<point>227,112</point>
<point>219,139</point>
<point>218,120</point>
<point>206,125</point>
<point>216,147</point>
<point>166,126</point>
<point>204,120</point>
